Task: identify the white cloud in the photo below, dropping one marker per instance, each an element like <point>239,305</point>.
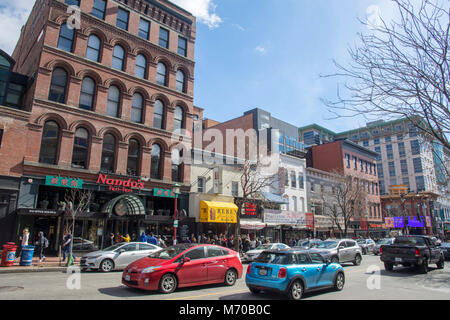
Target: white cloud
<point>13,16</point>
<point>239,27</point>
<point>203,10</point>
<point>260,49</point>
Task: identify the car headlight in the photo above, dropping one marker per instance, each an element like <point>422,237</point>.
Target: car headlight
<point>151,269</point>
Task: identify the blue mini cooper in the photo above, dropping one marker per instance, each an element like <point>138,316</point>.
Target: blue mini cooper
<point>293,272</point>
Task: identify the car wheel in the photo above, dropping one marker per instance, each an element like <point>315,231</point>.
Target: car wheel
<point>357,261</point>
<point>107,265</point>
<point>168,283</point>
<point>339,282</point>
<point>296,290</point>
<point>230,277</point>
<point>254,290</point>
<point>388,266</point>
<point>440,264</point>
<point>423,268</point>
<point>335,259</point>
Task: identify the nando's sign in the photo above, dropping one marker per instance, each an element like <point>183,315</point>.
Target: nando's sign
<point>120,185</point>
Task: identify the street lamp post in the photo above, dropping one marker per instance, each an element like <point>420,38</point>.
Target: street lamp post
<point>176,190</point>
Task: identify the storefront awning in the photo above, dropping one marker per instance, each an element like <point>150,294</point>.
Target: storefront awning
<point>126,205</point>
<point>272,197</point>
<point>218,212</point>
<point>252,225</point>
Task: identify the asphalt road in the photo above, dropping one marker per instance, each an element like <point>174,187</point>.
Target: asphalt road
<point>402,283</point>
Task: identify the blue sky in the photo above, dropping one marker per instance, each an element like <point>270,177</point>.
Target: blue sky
<point>260,53</point>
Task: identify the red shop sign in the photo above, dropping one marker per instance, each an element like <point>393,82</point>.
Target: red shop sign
<point>119,185</point>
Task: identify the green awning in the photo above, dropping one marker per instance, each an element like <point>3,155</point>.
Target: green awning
<point>129,205</point>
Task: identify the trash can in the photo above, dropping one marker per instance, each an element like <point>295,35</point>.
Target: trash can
<point>8,254</point>
<point>26,257</point>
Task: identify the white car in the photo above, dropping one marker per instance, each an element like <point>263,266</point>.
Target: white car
<point>250,255</point>
<point>118,256</point>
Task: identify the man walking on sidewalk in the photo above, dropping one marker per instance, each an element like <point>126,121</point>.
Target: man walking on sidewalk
<point>67,245</point>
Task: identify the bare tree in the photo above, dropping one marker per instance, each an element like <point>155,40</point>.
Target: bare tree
<point>401,70</point>
<point>77,201</point>
<point>253,182</point>
<point>344,201</point>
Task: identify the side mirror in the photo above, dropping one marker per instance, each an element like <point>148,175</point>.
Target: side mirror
<point>121,251</point>
<point>186,259</point>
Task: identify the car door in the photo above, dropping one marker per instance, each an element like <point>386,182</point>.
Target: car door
<point>308,270</point>
<point>343,253</point>
<point>125,255</point>
<point>216,262</point>
<point>352,248</point>
<point>195,270</point>
<point>435,251</point>
<point>325,272</point>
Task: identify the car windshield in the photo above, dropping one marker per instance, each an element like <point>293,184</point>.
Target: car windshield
<point>384,241</point>
<point>113,247</point>
<point>327,244</point>
<point>275,258</point>
<point>264,246</point>
<point>409,240</point>
<point>168,253</point>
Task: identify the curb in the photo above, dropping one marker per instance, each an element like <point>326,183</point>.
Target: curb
<point>34,269</point>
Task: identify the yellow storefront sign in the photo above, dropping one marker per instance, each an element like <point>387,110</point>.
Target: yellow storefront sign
<point>218,212</point>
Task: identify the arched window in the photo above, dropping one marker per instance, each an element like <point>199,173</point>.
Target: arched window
<point>286,202</point>
<point>80,148</point>
<point>181,81</point>
<point>155,166</point>
<point>66,36</point>
<point>176,165</point>
<point>137,107</point>
<point>133,157</point>
<point>112,108</point>
<point>49,143</point>
<point>118,58</point>
<point>158,114</point>
<point>178,118</point>
<point>87,94</point>
<point>141,66</point>
<point>58,86</point>
<point>108,153</point>
<point>93,48</point>
<point>294,202</point>
<point>161,72</point>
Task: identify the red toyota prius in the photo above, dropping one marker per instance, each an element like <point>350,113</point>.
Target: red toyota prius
<point>184,265</point>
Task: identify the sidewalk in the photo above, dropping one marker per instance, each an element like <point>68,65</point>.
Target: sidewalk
<point>50,264</point>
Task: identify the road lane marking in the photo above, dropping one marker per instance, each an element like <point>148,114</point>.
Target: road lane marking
<point>209,294</point>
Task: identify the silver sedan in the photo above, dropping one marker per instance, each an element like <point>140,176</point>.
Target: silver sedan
<point>118,256</point>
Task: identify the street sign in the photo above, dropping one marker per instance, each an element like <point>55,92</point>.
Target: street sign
<point>175,223</point>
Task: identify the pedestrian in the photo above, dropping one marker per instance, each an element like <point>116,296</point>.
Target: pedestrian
<point>110,241</point>
<point>143,237</point>
<point>41,244</point>
<point>126,238</point>
<point>118,238</point>
<point>152,239</point>
<point>24,238</point>
<point>67,245</point>
<point>161,242</point>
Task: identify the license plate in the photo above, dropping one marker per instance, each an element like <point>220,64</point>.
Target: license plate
<point>263,272</point>
<point>127,277</point>
<point>398,259</point>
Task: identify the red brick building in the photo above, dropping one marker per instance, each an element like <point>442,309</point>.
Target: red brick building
<point>105,98</point>
<point>358,163</point>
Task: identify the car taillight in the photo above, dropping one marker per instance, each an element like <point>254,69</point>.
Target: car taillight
<point>249,268</point>
<point>381,250</point>
<point>417,253</point>
<point>282,273</point>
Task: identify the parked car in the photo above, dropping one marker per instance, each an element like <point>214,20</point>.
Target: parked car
<point>252,254</point>
<point>366,245</point>
<point>117,257</point>
<point>184,265</point>
<point>340,251</point>
<point>418,251</point>
<point>376,250</point>
<point>308,244</point>
<point>293,272</point>
<point>80,244</point>
<point>445,248</point>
